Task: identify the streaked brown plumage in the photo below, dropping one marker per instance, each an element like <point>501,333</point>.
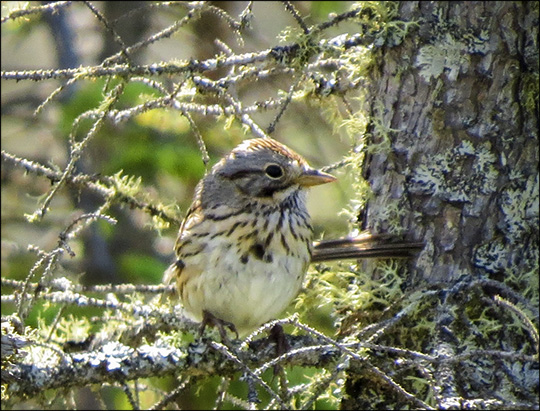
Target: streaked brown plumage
<point>245,245</point>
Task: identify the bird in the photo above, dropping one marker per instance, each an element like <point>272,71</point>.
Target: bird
<point>246,242</point>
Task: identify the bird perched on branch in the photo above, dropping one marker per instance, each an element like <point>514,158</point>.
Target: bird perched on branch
<point>246,243</point>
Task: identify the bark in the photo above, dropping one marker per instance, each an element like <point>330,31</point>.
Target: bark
<point>462,96</point>
<point>454,162</point>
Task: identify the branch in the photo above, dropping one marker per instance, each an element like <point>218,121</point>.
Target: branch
<point>104,186</point>
<point>115,361</point>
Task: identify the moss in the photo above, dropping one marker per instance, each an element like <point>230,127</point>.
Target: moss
<point>438,116</point>
<point>529,92</point>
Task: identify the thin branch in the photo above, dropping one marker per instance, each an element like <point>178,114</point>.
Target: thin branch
<point>291,9</point>
<point>103,185</point>
<point>51,7</point>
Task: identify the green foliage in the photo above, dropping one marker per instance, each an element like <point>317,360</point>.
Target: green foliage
<point>141,269</point>
<point>320,10</point>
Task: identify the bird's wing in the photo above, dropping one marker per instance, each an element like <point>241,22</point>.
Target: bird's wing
<point>366,245</point>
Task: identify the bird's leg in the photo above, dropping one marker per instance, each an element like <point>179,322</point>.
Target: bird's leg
<point>282,345</point>
<point>211,319</point>
<point>278,335</point>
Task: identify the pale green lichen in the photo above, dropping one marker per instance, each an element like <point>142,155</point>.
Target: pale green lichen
<point>69,328</point>
<point>450,50</point>
<point>126,185</point>
<point>348,289</point>
<point>391,216</point>
<point>459,175</point>
<point>380,130</point>
<point>513,253</point>
<point>380,19</point>
<point>520,207</point>
<point>492,256</point>
<point>445,54</point>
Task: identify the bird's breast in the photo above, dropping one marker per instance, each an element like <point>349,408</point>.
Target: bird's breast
<point>251,266</point>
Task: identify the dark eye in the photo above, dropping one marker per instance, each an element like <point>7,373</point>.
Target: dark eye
<point>273,171</point>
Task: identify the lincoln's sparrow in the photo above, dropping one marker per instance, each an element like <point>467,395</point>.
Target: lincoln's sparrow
<point>245,245</point>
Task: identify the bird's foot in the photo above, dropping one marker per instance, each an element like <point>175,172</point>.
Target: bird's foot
<point>212,320</point>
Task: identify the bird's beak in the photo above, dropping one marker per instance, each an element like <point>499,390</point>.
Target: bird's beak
<point>311,177</point>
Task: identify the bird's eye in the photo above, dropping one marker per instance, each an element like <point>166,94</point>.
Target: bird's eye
<point>273,171</point>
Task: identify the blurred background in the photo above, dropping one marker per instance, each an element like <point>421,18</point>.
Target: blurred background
<point>159,146</point>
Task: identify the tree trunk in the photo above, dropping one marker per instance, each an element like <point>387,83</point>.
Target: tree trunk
<point>461,95</point>
<point>454,162</point>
